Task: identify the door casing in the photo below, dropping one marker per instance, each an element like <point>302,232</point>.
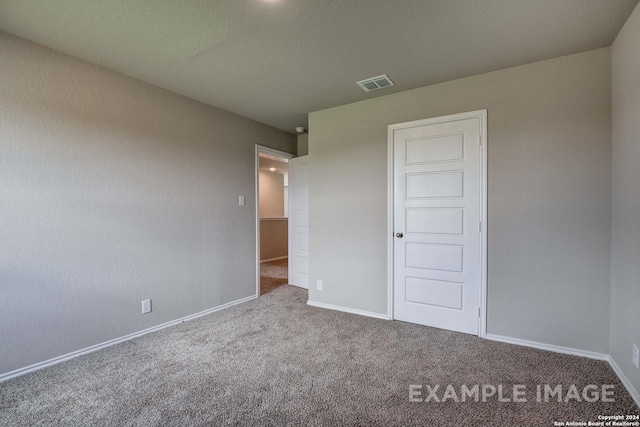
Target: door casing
<point>482,115</point>
<point>273,151</point>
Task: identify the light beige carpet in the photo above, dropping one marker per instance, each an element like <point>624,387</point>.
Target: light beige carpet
<point>273,275</point>
<point>277,361</point>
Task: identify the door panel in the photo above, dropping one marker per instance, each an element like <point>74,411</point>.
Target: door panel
<point>299,222</point>
<point>435,149</point>
<point>429,256</point>
<point>434,185</point>
<point>434,292</point>
<point>434,220</point>
<point>437,211</point>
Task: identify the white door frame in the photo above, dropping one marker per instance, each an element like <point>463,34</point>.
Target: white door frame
<point>482,115</point>
<point>273,151</point>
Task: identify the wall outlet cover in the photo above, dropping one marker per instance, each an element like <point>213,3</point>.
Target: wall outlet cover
<point>636,356</point>
<point>319,285</point>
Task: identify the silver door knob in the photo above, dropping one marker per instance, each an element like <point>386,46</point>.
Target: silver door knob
<point>399,235</point>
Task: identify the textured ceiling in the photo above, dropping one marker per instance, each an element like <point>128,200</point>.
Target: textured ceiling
<point>267,162</point>
<point>276,60</point>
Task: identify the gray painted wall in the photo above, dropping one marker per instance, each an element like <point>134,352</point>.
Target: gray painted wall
<point>274,238</point>
<point>271,195</point>
<point>303,144</point>
<point>549,188</point>
<point>112,191</point>
<point>625,252</point>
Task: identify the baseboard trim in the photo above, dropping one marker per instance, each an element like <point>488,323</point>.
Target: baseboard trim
<point>575,352</point>
<point>625,381</point>
<point>348,310</point>
<point>96,347</point>
<point>548,347</point>
<point>274,259</point>
<point>526,343</point>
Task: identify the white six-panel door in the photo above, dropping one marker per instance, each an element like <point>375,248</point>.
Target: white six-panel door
<point>299,222</point>
<point>437,213</point>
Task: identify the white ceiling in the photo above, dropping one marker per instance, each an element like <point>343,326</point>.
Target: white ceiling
<point>276,60</point>
<point>267,162</point>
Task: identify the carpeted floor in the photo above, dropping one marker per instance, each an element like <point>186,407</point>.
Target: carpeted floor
<point>273,274</point>
<point>276,361</point>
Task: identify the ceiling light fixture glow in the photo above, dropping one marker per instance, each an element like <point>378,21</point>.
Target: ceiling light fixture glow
<point>272,169</point>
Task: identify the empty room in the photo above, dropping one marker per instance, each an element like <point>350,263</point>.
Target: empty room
<point>328,213</point>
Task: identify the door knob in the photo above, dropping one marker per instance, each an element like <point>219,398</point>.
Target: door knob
<point>399,235</point>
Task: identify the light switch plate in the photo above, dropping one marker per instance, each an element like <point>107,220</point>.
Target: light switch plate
<point>146,306</point>
<point>241,200</point>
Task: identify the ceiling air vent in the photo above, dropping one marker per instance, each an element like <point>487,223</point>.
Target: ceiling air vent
<point>375,83</point>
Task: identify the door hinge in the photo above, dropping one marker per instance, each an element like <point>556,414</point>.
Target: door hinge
<point>478,312</point>
<point>479,226</point>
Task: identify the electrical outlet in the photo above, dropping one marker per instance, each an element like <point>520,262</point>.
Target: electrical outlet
<point>241,200</point>
<point>636,355</point>
<point>319,285</point>
<point>146,306</point>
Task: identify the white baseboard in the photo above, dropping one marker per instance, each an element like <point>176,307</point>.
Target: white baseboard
<point>274,259</point>
<point>623,378</point>
<point>348,310</point>
<point>91,349</point>
<point>542,346</point>
<point>548,347</point>
<point>576,352</point>
<point>298,286</point>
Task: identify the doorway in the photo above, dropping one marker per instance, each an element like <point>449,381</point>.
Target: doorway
<point>437,226</point>
<point>272,206</point>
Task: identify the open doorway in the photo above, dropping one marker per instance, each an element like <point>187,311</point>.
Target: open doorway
<point>272,176</point>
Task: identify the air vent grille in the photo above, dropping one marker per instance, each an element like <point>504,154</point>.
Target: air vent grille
<point>375,83</point>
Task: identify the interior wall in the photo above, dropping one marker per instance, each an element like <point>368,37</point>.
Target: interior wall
<point>303,144</point>
<point>625,249</point>
<point>271,195</point>
<point>113,191</point>
<point>273,233</point>
<point>549,195</point>
<point>274,238</point>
